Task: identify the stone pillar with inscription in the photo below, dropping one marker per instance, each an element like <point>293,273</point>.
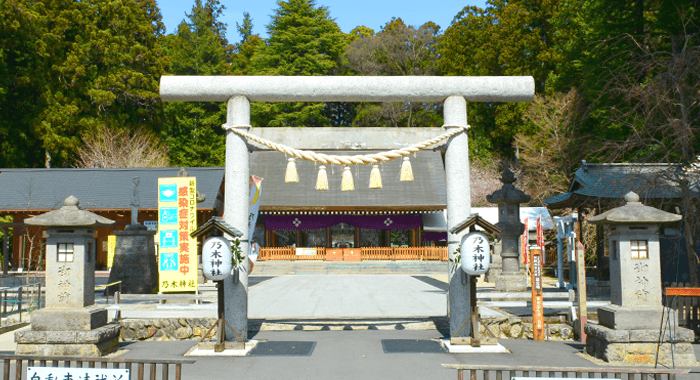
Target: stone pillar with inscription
<point>70,324</point>
<point>629,330</point>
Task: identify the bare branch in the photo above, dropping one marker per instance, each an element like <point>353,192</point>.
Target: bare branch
<point>107,148</point>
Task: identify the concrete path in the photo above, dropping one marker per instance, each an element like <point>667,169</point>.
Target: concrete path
<point>360,355</point>
<point>325,296</point>
<point>350,353</point>
<point>332,296</point>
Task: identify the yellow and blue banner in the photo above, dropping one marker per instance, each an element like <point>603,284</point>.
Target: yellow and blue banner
<point>177,218</point>
<point>111,247</point>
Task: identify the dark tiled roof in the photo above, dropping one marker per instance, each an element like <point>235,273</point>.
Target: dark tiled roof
<point>610,182</point>
<point>219,224</point>
<point>96,189</point>
<point>427,191</point>
<point>475,219</point>
<point>110,189</point>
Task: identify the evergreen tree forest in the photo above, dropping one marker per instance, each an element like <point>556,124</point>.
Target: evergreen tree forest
<point>616,81</point>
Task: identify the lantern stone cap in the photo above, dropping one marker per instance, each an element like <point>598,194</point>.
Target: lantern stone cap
<point>69,215</point>
<point>508,193</point>
<point>634,212</point>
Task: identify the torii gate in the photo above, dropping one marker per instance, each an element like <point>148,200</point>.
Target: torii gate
<point>239,91</point>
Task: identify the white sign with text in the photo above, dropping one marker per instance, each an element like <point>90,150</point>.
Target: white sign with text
<point>58,373</point>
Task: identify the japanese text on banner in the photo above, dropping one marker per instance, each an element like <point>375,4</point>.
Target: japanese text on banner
<point>524,242</point>
<point>540,237</point>
<point>177,218</point>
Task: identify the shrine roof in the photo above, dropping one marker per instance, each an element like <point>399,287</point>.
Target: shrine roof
<point>607,183</point>
<point>111,188</point>
<point>97,189</point>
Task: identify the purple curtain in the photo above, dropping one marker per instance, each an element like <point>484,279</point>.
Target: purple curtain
<point>383,222</point>
<point>300,222</point>
<point>370,222</point>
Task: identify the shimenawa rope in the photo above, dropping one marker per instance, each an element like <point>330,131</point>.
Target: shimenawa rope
<point>346,160</point>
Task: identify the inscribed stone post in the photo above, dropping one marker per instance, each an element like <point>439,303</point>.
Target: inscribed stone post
<point>628,329</point>
<point>70,324</point>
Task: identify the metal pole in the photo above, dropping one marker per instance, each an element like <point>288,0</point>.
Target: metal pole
<point>560,263</point>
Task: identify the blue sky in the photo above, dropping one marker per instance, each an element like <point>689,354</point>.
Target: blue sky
<point>347,13</point>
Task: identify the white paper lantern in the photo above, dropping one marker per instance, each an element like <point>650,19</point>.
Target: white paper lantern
<point>216,258</point>
<point>476,254</point>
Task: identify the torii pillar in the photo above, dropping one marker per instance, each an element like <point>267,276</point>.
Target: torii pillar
<point>236,195</point>
<point>239,91</point>
<point>458,209</point>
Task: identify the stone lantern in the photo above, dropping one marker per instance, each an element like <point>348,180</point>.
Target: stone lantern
<point>70,324</point>
<point>509,199</point>
<point>629,328</point>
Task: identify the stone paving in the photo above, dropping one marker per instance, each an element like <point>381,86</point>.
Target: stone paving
<point>349,348</point>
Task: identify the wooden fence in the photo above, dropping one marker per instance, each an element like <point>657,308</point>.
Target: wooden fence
<point>368,253</point>
<point>487,372</point>
<point>140,367</point>
<point>687,306</point>
<point>289,254</point>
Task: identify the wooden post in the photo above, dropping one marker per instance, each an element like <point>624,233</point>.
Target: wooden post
<point>581,289</point>
<point>19,308</point>
<point>475,342</point>
<point>221,333</point>
<point>537,303</point>
<point>5,247</point>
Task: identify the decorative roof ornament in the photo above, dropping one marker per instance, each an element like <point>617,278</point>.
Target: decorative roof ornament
<point>508,176</point>
<point>634,212</point>
<point>508,193</point>
<point>69,215</point>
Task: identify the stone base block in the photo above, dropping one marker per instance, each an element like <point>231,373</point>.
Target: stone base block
<point>511,283</point>
<point>643,318</point>
<point>99,342</point>
<point>625,347</point>
<point>494,272</point>
<point>606,334</point>
<point>597,288</point>
<point>85,319</point>
<point>207,349</point>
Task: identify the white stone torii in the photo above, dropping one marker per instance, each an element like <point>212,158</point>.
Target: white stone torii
<point>239,91</point>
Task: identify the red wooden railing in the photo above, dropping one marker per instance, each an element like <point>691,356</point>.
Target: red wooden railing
<point>289,254</point>
<point>368,253</point>
<point>685,300</point>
